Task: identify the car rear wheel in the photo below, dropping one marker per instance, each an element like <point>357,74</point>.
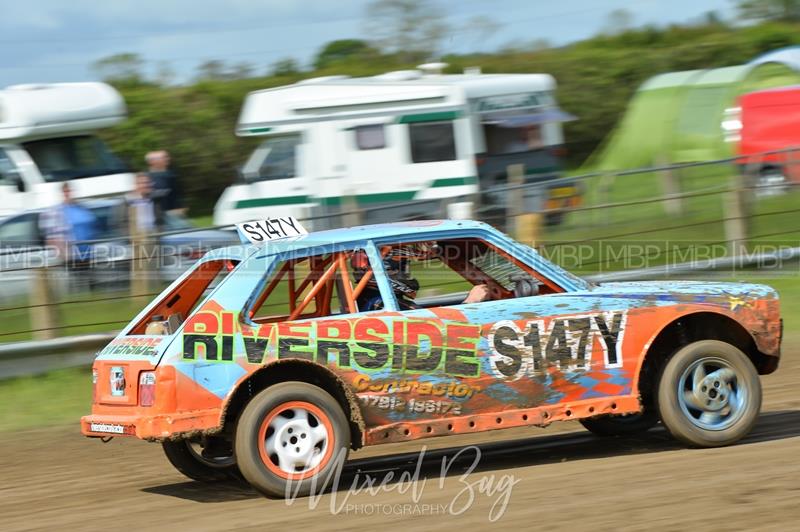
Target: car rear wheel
<point>290,438</point>
<point>202,460</point>
<point>771,181</point>
<point>709,394</point>
<point>624,425</point>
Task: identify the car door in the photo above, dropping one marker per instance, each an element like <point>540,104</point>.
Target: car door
<point>21,250</point>
<point>513,353</point>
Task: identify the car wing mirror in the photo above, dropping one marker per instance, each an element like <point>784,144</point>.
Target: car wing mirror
<point>19,182</point>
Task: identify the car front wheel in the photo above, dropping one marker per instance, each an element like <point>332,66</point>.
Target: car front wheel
<point>709,394</point>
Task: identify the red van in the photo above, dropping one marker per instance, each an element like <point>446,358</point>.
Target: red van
<point>767,121</point>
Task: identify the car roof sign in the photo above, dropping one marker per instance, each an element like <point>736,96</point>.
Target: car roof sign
<point>263,231</point>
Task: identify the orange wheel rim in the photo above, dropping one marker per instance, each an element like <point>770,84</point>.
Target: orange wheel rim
<point>295,440</point>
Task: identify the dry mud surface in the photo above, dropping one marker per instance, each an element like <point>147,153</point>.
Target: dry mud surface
<point>560,478</point>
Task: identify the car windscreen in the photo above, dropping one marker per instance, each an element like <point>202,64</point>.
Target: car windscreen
<point>276,158</point>
<point>66,158</point>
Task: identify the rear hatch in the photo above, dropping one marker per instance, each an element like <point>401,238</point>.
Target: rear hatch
<point>118,366</point>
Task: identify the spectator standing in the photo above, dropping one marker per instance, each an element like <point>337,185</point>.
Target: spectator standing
<point>142,216</point>
<point>167,190</point>
<point>68,227</point>
<point>145,215</point>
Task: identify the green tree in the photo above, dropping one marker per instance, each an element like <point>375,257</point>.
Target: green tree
<point>412,29</point>
<point>783,10</point>
<point>342,50</point>
<point>212,69</point>
<point>124,68</point>
<point>618,21</point>
<point>285,67</point>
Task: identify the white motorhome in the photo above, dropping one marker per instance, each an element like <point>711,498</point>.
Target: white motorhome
<point>416,141</point>
<point>47,137</point>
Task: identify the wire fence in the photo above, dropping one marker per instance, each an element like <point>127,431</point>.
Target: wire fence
<point>673,209</point>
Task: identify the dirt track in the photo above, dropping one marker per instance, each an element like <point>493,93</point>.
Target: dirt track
<point>566,479</point>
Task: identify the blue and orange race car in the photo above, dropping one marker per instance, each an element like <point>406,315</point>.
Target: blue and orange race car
<point>276,357</point>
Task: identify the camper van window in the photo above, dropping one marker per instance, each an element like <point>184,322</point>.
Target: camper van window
<point>370,137</point>
<point>505,140</point>
<point>276,158</point>
<point>68,158</point>
<point>432,141</point>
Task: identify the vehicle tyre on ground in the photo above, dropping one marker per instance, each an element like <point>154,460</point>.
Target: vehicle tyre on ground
<point>709,394</point>
<point>621,425</point>
<point>193,459</point>
<point>771,181</point>
<point>293,433</point>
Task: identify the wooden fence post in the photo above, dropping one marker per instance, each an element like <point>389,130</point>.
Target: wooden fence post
<point>353,215</point>
<point>736,212</point>
<point>140,277</point>
<point>43,313</point>
<point>671,187</point>
<point>524,226</point>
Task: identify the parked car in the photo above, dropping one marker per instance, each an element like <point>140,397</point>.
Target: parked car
<point>276,359</point>
<point>22,247</point>
<point>763,123</point>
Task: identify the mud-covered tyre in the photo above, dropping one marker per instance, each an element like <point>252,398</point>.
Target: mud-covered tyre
<point>187,457</point>
<point>621,425</point>
<point>291,433</point>
<point>709,394</point>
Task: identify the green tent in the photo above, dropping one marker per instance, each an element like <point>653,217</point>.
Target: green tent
<point>677,117</point>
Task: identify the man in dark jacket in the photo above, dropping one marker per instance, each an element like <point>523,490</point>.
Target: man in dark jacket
<point>166,187</point>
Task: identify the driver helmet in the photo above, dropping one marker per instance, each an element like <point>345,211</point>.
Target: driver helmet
<point>397,264</point>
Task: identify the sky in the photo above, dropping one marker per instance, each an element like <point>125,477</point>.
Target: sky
<point>57,40</point>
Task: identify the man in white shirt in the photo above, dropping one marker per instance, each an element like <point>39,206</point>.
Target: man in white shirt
<point>146,214</point>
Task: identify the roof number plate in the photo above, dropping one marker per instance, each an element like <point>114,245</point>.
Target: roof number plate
<point>261,231</point>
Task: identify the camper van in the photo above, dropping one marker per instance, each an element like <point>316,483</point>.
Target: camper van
<point>398,145</point>
<point>47,137</point>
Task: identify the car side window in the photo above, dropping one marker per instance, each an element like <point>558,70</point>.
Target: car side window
<point>456,271</point>
<point>316,286</point>
<point>20,231</point>
<point>167,316</point>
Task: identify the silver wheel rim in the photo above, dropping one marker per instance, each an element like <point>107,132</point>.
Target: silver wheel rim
<point>296,441</point>
<point>711,394</point>
<point>216,462</point>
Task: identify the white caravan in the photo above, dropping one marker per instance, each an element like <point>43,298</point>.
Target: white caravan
<point>401,144</point>
<point>47,137</point>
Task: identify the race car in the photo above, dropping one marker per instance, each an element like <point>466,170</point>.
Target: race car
<point>273,359</point>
